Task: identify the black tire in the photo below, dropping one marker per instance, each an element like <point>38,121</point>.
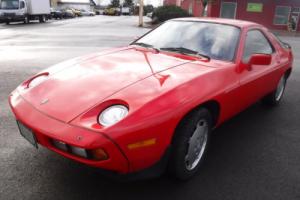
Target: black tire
<point>42,19</point>
<point>7,23</point>
<point>177,165</point>
<point>274,98</point>
<point>26,20</point>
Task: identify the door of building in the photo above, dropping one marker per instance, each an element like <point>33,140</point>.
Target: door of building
<point>295,15</point>
<point>228,10</point>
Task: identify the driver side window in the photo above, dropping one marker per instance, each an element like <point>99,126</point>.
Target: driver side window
<point>22,4</point>
<point>256,42</point>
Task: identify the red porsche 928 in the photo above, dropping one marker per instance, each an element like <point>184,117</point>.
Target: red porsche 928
<point>151,106</point>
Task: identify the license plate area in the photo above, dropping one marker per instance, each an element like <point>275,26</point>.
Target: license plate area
<point>27,134</point>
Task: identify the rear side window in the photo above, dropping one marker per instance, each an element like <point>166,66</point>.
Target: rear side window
<point>256,42</point>
<point>282,44</point>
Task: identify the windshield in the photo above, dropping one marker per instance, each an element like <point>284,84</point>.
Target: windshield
<point>9,4</point>
<point>215,41</point>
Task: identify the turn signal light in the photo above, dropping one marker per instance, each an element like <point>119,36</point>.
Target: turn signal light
<point>143,143</point>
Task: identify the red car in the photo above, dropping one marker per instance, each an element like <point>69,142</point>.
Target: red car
<point>152,105</point>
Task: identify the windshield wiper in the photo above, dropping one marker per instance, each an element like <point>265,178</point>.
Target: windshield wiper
<point>185,51</point>
<point>146,45</point>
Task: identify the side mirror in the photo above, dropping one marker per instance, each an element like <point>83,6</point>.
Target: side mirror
<point>287,45</point>
<point>260,59</point>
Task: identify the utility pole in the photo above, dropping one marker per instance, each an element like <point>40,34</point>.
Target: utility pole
<point>141,13</point>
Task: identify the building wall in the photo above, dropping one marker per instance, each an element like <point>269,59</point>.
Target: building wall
<point>74,5</point>
<point>194,7</point>
<point>266,17</point>
<point>53,3</point>
<point>77,4</point>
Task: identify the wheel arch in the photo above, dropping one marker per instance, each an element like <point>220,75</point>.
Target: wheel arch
<point>288,73</point>
<point>212,105</point>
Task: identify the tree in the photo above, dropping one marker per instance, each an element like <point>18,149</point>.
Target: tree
<point>115,3</point>
<point>148,9</point>
<point>127,3</point>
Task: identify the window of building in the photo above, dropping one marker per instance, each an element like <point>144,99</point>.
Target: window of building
<point>228,10</point>
<point>178,2</point>
<point>282,15</point>
<point>191,8</point>
<point>296,10</point>
<point>256,42</point>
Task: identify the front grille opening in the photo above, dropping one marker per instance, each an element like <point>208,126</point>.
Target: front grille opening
<point>95,154</point>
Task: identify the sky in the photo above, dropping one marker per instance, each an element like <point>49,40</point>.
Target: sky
<point>154,2</point>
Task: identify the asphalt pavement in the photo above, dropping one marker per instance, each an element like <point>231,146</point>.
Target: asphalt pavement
<point>255,155</point>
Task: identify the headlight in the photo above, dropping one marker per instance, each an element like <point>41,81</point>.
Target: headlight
<point>112,115</point>
<point>37,80</point>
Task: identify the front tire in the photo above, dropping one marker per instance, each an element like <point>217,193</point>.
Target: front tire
<point>276,96</point>
<point>26,20</point>
<point>190,144</point>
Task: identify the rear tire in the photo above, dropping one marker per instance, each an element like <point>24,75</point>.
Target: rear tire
<point>275,97</point>
<point>190,144</point>
<point>42,19</point>
<point>7,23</point>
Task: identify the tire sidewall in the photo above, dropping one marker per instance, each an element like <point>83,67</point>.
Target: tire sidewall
<point>177,164</point>
<point>26,20</point>
<point>281,97</point>
<point>271,99</point>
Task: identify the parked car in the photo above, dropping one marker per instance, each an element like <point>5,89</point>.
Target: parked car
<point>87,13</point>
<point>56,14</point>
<point>67,14</point>
<point>153,105</point>
<point>112,11</point>
<point>125,11</point>
<point>150,15</point>
<point>99,11</point>
<point>76,12</point>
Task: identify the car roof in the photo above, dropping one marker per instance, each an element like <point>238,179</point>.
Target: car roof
<point>232,22</point>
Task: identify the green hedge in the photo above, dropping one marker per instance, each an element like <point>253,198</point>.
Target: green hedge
<point>164,13</point>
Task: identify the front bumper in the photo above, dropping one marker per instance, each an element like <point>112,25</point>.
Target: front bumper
<point>47,129</point>
<point>12,18</point>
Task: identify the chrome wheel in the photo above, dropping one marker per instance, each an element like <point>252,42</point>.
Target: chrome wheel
<point>280,89</point>
<point>197,145</point>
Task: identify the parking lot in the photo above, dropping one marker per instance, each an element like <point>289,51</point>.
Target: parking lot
<point>255,155</point>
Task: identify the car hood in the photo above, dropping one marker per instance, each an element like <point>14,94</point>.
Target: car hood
<point>79,84</point>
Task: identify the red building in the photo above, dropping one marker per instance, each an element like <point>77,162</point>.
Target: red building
<point>194,7</point>
<point>274,14</point>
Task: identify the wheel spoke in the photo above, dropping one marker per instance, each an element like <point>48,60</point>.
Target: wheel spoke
<point>196,145</point>
<point>280,89</point>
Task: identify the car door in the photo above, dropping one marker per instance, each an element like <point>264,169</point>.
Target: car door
<point>257,80</point>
